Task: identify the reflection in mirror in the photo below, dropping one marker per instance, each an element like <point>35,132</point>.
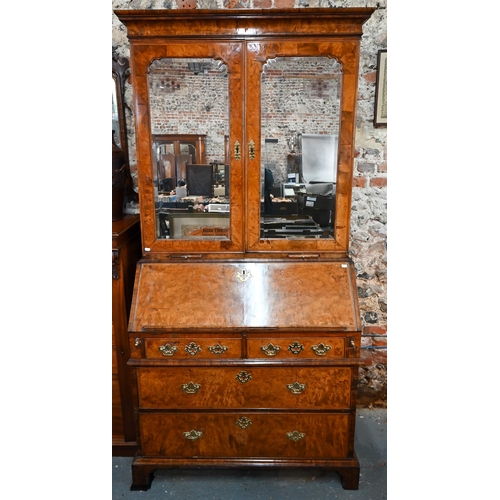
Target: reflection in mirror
<point>189,110</point>
<point>115,118</point>
<point>300,124</point>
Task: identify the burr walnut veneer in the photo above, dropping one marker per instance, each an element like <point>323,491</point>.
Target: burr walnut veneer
<point>244,349</point>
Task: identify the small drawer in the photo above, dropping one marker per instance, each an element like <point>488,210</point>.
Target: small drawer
<point>244,387</point>
<point>245,434</point>
<point>191,348</point>
<point>297,347</point>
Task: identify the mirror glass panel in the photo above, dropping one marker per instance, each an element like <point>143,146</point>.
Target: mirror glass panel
<point>189,110</point>
<point>115,117</point>
<point>300,125</point>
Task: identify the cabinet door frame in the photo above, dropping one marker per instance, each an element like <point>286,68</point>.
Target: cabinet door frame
<point>258,53</point>
<point>143,53</point>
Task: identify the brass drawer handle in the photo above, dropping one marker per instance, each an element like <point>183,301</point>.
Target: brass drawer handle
<point>190,388</point>
<point>296,348</point>
<point>168,349</point>
<point>352,346</point>
<point>243,377</point>
<point>296,388</point>
<point>192,435</point>
<point>295,436</point>
<point>271,349</point>
<point>192,349</point>
<point>243,422</point>
<point>217,349</point>
<point>321,349</point>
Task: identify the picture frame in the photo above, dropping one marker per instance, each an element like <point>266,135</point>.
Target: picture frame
<point>380,112</point>
<point>199,226</point>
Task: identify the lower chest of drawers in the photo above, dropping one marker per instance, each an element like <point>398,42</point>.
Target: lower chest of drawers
<point>246,411</point>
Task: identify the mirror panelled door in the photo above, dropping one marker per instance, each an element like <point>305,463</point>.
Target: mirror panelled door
<point>300,126</point>
<point>192,197</point>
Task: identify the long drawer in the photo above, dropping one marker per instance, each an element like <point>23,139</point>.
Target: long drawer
<point>233,387</point>
<point>304,435</point>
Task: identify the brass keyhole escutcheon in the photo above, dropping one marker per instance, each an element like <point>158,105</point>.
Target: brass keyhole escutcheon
<point>192,349</point>
<point>243,275</point>
<point>251,150</point>
<point>296,348</point>
<point>243,422</point>
<point>243,377</point>
<point>237,151</point>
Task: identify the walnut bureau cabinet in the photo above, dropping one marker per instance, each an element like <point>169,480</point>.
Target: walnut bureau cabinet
<point>244,330</point>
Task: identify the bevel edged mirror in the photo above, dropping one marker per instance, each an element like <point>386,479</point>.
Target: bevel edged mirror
<point>189,121</point>
<point>300,126</point>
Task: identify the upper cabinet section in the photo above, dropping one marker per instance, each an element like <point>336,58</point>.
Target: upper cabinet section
<point>245,124</point>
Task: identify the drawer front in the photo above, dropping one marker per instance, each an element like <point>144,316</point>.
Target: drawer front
<point>249,387</point>
<point>192,348</point>
<point>270,435</point>
<point>298,348</point>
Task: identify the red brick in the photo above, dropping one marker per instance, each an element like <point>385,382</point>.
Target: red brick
<point>378,181</point>
<point>376,330</point>
<point>371,77</point>
<point>366,357</point>
<point>186,4</point>
<point>379,356</point>
<point>284,4</point>
<point>262,4</point>
<point>359,182</point>
<point>382,167</point>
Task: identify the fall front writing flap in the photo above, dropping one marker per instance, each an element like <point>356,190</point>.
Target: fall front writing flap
<point>229,295</point>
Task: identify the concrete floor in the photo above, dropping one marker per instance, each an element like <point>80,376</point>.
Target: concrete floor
<point>270,484</point>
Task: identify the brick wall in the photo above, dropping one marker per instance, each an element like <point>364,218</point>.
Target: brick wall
<point>368,243</point>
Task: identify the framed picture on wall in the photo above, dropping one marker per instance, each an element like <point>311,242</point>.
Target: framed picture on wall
<point>380,115</point>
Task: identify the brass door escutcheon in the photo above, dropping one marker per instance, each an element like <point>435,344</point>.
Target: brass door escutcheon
<point>193,435</point>
<point>296,348</point>
<point>237,151</point>
<point>168,349</point>
<point>190,388</point>
<point>243,377</point>
<point>251,150</point>
<point>321,349</point>
<point>295,435</point>
<point>192,349</point>
<point>243,422</point>
<point>296,388</point>
<point>217,349</point>
<point>271,349</point>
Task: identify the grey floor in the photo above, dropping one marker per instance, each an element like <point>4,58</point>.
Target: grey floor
<point>271,484</point>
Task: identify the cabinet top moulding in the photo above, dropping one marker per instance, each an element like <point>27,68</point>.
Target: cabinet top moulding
<point>244,23</point>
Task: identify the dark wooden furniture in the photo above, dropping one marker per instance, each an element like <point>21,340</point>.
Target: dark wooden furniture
<point>126,251</point>
<point>245,347</point>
